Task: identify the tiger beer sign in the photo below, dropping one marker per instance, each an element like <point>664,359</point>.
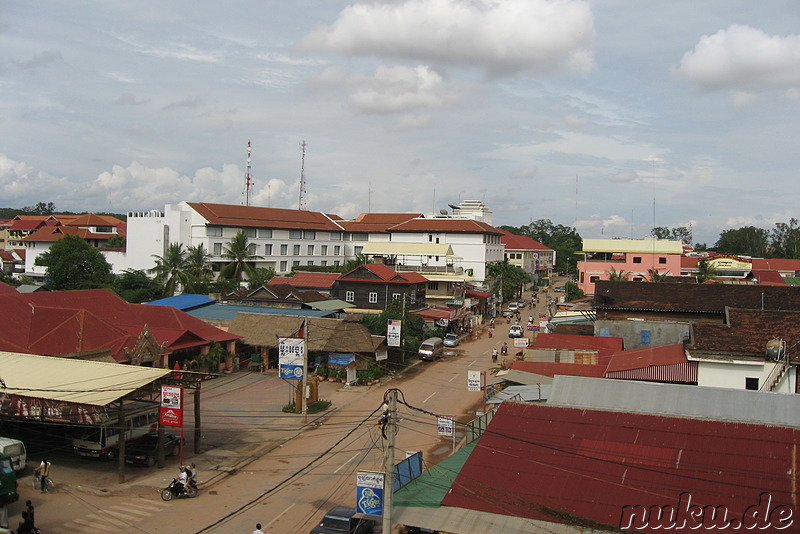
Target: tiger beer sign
<point>171,412</point>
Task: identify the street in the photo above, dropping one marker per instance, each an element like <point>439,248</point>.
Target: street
<point>281,475</point>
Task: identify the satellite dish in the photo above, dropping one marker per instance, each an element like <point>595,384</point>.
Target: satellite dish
<point>443,211</point>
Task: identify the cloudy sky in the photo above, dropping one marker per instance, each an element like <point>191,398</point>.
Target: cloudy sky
<point>610,116</point>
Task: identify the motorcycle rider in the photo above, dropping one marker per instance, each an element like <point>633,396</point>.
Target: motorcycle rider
<point>504,349</point>
<point>494,355</point>
<point>192,474</point>
<point>180,482</point>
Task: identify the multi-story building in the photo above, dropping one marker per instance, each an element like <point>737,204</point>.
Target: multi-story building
<point>529,255</point>
<point>633,257</point>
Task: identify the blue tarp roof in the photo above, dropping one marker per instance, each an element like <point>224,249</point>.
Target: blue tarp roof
<point>229,311</point>
<point>185,302</point>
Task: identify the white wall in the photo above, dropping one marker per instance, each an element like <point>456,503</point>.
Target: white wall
<point>732,375</point>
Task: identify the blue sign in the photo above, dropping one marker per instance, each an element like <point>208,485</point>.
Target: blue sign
<point>291,372</point>
<point>338,358</point>
<point>369,493</point>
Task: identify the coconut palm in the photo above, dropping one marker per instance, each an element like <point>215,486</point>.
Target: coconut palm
<point>617,276</point>
<point>657,276</point>
<point>198,269</point>
<point>705,271</point>
<point>240,253</point>
<point>171,268</point>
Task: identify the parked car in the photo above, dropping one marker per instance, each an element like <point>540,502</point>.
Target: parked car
<point>515,331</point>
<point>451,340</point>
<point>521,303</point>
<point>144,451</point>
<point>513,306</point>
<point>560,289</point>
<point>341,520</point>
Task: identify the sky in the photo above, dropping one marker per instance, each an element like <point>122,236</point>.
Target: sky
<point>609,116</point>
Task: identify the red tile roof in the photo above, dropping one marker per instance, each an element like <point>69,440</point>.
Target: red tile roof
<point>305,279</point>
<point>258,217</point>
<point>582,467</point>
<point>54,233</point>
<point>746,333</point>
<point>377,222</point>
<point>520,242</point>
<point>379,272</point>
<point>65,322</point>
<point>640,358</point>
<point>772,278</point>
<point>559,368</point>
<point>446,225</point>
<point>26,224</point>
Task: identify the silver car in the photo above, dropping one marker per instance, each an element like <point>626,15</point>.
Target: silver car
<point>451,340</point>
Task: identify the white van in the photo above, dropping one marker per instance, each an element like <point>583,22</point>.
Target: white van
<point>16,450</point>
<point>431,348</point>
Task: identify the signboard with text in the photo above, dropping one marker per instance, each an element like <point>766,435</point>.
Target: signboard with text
<point>369,492</point>
<point>473,380</point>
<point>171,410</point>
<point>446,426</point>
<point>291,355</point>
<point>393,333</point>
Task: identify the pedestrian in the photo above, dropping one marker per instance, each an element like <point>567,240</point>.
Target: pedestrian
<point>43,471</point>
<point>29,509</point>
<point>258,529</point>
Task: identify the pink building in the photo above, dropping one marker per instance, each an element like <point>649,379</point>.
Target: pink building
<point>633,257</point>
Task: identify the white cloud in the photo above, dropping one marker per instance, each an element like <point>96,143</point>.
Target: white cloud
<point>624,177</point>
<point>741,57</point>
<point>22,184</point>
<point>398,89</point>
<point>501,38</point>
<point>575,121</point>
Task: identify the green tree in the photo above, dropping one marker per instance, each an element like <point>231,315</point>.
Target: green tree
<point>657,276</point>
<point>72,263</point>
<point>617,276</point>
<point>573,292</point>
<point>679,233</point>
<point>506,279</point>
<point>170,270</point>
<point>260,277</point>
<point>413,329</point>
<point>241,255</point>
<point>349,265</point>
<point>747,241</point>
<point>199,273</point>
<point>116,242</point>
<point>786,240</point>
<point>705,271</point>
<point>40,208</point>
<point>135,286</point>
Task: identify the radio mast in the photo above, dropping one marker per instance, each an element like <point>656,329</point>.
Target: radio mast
<point>248,180</point>
<point>302,203</point>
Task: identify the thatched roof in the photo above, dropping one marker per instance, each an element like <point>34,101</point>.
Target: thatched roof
<point>332,335</point>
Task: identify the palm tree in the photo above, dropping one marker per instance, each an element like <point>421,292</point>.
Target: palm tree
<point>240,253</point>
<point>198,269</point>
<point>656,276</point>
<point>617,276</point>
<point>171,268</point>
<point>705,271</point>
<point>360,259</point>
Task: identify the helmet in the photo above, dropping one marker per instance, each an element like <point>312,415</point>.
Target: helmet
<point>182,469</point>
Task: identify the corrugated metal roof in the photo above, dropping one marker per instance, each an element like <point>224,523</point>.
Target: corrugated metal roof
<point>69,380</point>
<point>641,246</point>
<point>677,400</point>
<point>184,302</point>
<point>527,393</point>
<point>229,311</point>
<point>684,373</point>
<point>524,377</point>
<point>580,467</point>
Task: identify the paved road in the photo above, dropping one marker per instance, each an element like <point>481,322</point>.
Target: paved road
<point>252,454</point>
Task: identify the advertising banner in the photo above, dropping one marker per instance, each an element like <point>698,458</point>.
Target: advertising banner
<point>291,355</point>
<point>369,492</point>
<point>393,333</point>
<point>473,380</point>
<point>171,410</point>
<point>446,426</point>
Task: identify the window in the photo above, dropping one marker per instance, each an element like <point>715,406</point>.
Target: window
<point>357,250</point>
<point>296,263</point>
<point>637,259</point>
<point>214,231</point>
<point>323,250</point>
<point>324,263</point>
<point>638,279</point>
<point>751,383</point>
<point>250,232</point>
<point>104,229</point>
<point>284,250</point>
<point>252,249</point>
<point>265,232</point>
<point>662,261</point>
<point>412,297</point>
<point>433,286</point>
<point>359,236</point>
<point>295,234</point>
<point>373,297</point>
<point>605,332</point>
<point>349,296</point>
<point>268,249</point>
<point>396,296</point>
<point>309,234</point>
<point>310,262</point>
<point>217,249</point>
<point>283,266</point>
<point>645,337</point>
<point>430,238</point>
<point>593,279</point>
<point>310,250</point>
<point>336,236</point>
<point>296,250</point>
<point>336,263</point>
<point>337,250</point>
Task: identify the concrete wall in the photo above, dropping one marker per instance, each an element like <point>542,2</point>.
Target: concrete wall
<point>661,332</point>
<point>733,374</point>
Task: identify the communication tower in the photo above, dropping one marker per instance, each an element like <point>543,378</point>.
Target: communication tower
<point>248,180</point>
<point>302,203</point>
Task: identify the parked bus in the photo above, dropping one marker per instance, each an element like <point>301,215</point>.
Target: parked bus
<point>102,440</point>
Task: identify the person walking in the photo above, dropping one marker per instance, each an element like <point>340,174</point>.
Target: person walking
<point>30,512</point>
<point>258,529</point>
<point>43,471</point>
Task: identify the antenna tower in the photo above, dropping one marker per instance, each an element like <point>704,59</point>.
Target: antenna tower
<point>302,203</point>
<point>248,180</point>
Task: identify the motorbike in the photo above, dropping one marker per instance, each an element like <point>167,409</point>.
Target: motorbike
<point>172,491</point>
<point>504,350</point>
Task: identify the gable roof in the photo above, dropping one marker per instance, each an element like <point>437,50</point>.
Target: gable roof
<point>551,369</point>
<point>377,222</point>
<point>627,360</point>
<point>745,333</point>
<point>92,219</point>
<point>692,298</point>
<point>520,242</point>
<point>54,233</point>
<point>582,466</point>
<point>258,217</point>
<point>307,279</point>
<point>776,264</point>
<point>379,272</point>
<point>446,225</point>
<point>768,277</point>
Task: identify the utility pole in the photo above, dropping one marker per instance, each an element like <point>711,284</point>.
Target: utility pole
<point>304,400</point>
<point>389,431</point>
